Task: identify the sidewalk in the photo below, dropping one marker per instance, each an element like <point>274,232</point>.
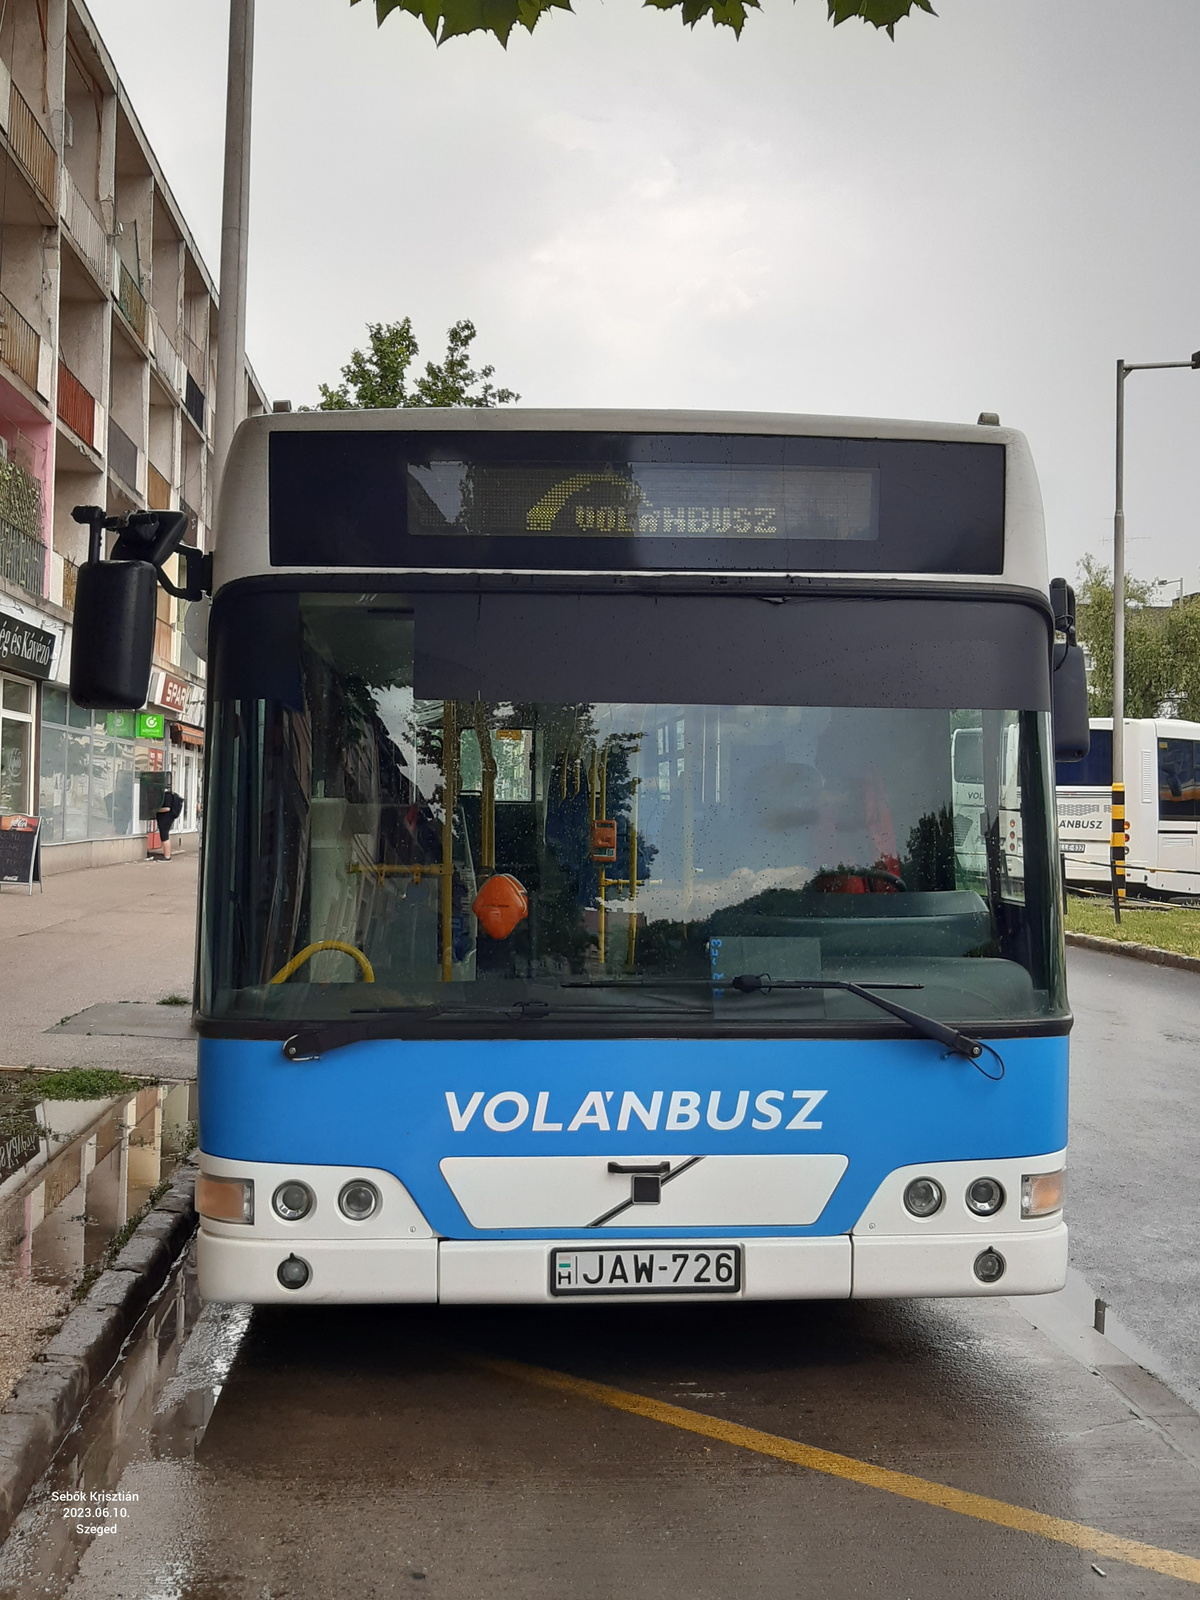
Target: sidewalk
<point>96,936</point>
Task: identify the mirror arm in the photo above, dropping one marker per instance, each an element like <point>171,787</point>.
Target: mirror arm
<point>198,574</point>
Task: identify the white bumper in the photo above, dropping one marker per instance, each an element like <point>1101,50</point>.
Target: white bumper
<point>394,1257</point>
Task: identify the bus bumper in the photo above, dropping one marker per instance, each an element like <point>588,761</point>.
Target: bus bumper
<point>516,1271</point>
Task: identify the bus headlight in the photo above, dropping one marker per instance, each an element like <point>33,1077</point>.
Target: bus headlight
<point>292,1200</point>
<point>1042,1193</point>
<point>358,1200</point>
<point>985,1197</point>
<point>923,1197</point>
<point>225,1199</point>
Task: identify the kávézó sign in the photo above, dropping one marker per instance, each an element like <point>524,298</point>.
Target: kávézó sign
<point>24,648</point>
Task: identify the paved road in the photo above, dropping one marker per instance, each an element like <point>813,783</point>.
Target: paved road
<point>366,1452</point>
<point>102,934</point>
<point>1134,1198</point>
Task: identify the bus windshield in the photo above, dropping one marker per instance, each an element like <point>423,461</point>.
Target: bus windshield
<point>614,864</point>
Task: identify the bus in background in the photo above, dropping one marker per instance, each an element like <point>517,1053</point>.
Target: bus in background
<point>587,910</point>
<point>1162,807</point>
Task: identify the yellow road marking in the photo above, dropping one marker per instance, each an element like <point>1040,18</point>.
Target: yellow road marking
<point>979,1506</point>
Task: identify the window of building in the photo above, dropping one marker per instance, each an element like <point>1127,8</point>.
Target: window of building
<point>17,700</point>
<point>87,784</point>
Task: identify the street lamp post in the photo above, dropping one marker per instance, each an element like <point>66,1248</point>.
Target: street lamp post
<point>235,238</point>
<point>1117,836</point>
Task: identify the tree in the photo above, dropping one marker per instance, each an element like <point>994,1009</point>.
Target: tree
<point>1162,647</point>
<point>447,18</point>
<point>378,376</point>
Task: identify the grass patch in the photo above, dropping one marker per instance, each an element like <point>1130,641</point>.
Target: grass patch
<point>83,1083</point>
<point>1173,928</point>
<point>176,1000</point>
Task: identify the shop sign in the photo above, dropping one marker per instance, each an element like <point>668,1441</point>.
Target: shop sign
<point>173,694</point>
<point>121,724</point>
<point>20,857</point>
<point>150,724</point>
<point>24,648</point>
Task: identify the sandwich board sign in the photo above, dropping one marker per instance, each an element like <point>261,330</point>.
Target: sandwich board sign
<point>20,851</point>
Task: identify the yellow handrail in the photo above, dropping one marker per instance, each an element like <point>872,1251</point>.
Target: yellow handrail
<point>284,973</point>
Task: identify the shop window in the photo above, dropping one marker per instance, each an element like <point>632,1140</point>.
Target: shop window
<point>54,703</point>
<point>88,786</point>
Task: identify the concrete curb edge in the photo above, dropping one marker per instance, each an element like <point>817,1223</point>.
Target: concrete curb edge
<point>1135,952</point>
<point>46,1403</point>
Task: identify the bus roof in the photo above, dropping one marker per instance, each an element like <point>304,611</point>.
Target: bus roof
<point>244,509</point>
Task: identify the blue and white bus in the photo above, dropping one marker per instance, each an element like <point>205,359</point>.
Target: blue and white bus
<point>589,905</point>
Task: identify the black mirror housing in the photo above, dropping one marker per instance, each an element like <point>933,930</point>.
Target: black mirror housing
<point>113,640</point>
<point>1069,698</point>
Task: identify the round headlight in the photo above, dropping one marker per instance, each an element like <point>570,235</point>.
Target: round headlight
<point>923,1197</point>
<point>358,1200</point>
<point>294,1273</point>
<point>989,1266</point>
<point>985,1197</point>
<point>292,1200</point>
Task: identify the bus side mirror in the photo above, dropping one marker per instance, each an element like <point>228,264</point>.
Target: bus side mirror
<point>1068,681</point>
<point>1069,698</point>
<point>112,644</point>
<point>113,638</point>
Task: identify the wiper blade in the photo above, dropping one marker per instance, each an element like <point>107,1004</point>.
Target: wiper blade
<point>318,1038</point>
<point>939,1032</point>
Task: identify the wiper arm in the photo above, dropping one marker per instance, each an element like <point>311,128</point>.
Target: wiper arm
<point>939,1032</point>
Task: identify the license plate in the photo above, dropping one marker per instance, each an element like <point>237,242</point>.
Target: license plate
<point>1069,849</point>
<point>710,1269</point>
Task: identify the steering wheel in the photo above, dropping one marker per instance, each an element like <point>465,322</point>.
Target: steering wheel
<point>827,882</point>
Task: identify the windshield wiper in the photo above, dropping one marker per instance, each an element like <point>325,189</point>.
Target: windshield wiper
<point>962,1044</point>
<point>317,1038</point>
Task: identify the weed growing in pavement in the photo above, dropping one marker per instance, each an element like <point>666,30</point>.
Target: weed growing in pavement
<point>176,1000</point>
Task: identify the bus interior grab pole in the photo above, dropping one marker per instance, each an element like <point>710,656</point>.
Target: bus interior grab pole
<point>235,240</point>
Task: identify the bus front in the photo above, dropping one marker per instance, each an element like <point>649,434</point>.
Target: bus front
<point>629,863</point>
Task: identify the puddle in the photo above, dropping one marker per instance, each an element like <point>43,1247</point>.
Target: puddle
<point>153,1407</point>
<point>72,1174</point>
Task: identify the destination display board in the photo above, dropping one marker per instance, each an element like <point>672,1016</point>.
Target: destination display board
<point>20,852</point>
<point>619,502</point>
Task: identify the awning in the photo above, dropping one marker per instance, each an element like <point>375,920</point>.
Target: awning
<point>181,733</point>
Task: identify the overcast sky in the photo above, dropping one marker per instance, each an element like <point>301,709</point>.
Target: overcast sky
<point>982,215</point>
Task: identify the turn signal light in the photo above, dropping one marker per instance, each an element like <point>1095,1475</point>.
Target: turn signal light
<point>1042,1193</point>
<point>225,1199</point>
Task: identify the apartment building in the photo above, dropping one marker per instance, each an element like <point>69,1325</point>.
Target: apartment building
<point>108,360</point>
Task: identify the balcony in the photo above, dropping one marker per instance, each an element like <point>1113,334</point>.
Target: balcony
<point>85,228</point>
<point>22,559</point>
<point>32,147</point>
<point>131,300</point>
<point>193,401</point>
<point>158,489</point>
<point>122,455</point>
<point>167,357</point>
<point>19,344</point>
<point>22,553</point>
<point>76,407</point>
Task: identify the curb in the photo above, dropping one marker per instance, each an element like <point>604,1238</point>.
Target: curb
<point>47,1401</point>
<point>1135,952</point>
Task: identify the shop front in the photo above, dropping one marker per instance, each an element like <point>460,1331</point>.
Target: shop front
<point>27,657</point>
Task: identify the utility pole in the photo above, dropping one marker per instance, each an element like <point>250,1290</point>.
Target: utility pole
<point>1117,834</point>
<point>235,239</point>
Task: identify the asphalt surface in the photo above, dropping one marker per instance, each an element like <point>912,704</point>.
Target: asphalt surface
<point>1134,1173</point>
<point>365,1452</point>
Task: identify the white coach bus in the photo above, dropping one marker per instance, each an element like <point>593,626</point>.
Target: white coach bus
<point>1162,806</point>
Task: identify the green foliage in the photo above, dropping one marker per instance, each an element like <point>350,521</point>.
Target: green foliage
<point>83,1083</point>
<point>20,499</point>
<point>446,19</point>
<point>378,377</point>
<point>1162,647</point>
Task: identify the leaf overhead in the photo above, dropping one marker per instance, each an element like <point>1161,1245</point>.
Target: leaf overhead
<point>449,19</point>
